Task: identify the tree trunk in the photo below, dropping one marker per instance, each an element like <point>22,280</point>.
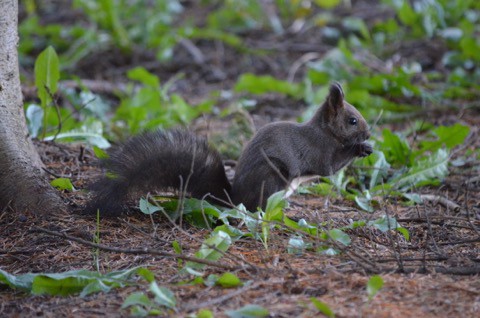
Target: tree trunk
<point>23,185</point>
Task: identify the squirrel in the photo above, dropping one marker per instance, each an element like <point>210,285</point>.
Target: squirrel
<point>278,153</point>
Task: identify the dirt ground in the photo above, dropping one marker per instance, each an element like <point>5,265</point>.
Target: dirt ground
<point>434,274</point>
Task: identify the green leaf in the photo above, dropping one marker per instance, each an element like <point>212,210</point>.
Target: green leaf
<point>396,149</point>
<point>147,207</point>
<point>375,283</point>
<point>34,115</point>
<point>113,21</point>
<point>47,74</point>
<point>90,132</point>
<point>212,249</point>
<point>177,247</point>
<point>199,213</point>
<point>248,311</point>
<point>163,295</point>
<point>273,212</point>
<point>258,85</point>
<point>327,4</point>
<point>296,245</point>
<point>205,313</point>
<point>60,284</point>
<point>228,280</point>
<point>406,13</point>
<point>427,171</point>
<point>339,236</point>
<point>79,281</point>
<point>100,153</point>
<point>404,232</point>
<point>62,184</point>
<point>447,136</point>
<point>23,282</point>
<point>146,274</point>
<point>137,298</point>
<point>386,223</point>
<point>143,76</point>
<point>275,205</point>
<point>323,307</point>
<point>364,201</point>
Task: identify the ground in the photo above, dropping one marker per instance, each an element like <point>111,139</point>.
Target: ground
<point>434,274</point>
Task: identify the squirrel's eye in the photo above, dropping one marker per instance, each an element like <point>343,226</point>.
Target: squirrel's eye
<point>352,121</point>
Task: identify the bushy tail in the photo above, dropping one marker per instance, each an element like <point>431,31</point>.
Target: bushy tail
<point>160,160</point>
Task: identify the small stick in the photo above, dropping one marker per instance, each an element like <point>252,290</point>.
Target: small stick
<point>138,251</point>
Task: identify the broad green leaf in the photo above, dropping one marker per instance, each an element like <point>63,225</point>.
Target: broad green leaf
<point>143,76</point>
<point>23,282</point>
<point>112,20</point>
<point>100,153</point>
<point>364,201</point>
<point>55,284</point>
<point>296,245</point>
<point>404,232</point>
<point>177,247</point>
<point>425,171</point>
<point>406,13</point>
<point>254,84</point>
<point>34,115</point>
<point>396,149</point>
<point>273,212</point>
<point>90,132</point>
<point>217,34</point>
<point>163,295</point>
<point>325,250</point>
<point>378,169</point>
<point>47,74</point>
<point>228,280</point>
<point>248,311</point>
<point>375,283</point>
<point>323,307</point>
<point>327,4</point>
<point>97,286</point>
<point>447,136</point>
<point>147,207</point>
<point>138,298</point>
<point>62,184</point>
<point>275,205</point>
<point>79,281</point>
<point>138,311</point>
<point>199,213</point>
<point>146,274</point>
<point>339,236</point>
<point>386,223</point>
<point>212,249</point>
<point>234,232</point>
<point>204,313</point>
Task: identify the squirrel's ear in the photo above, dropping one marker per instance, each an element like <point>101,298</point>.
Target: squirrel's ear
<point>335,96</point>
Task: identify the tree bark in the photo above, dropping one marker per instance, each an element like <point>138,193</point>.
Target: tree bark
<point>23,185</point>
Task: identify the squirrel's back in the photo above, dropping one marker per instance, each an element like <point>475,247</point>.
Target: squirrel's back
<point>159,160</point>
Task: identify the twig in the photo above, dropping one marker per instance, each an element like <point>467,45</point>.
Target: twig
<point>460,242</point>
<point>221,299</point>
<point>474,270</point>
<point>441,200</point>
<point>270,163</point>
<point>301,61</point>
<point>138,251</point>
<point>417,259</point>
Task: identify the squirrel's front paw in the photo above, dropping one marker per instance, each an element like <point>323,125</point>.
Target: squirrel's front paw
<point>364,149</point>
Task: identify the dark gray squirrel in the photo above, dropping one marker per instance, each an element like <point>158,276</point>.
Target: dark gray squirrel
<point>278,153</point>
